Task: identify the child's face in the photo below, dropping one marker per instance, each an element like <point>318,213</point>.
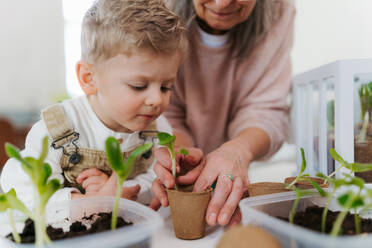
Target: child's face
<point>132,91</point>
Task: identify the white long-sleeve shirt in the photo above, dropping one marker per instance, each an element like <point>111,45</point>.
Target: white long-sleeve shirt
<point>93,134</point>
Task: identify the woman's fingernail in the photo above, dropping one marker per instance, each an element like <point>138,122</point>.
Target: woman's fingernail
<point>223,219</point>
<point>167,184</point>
<point>212,219</point>
<point>163,201</point>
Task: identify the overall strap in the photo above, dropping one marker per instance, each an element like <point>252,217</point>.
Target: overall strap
<point>58,128</point>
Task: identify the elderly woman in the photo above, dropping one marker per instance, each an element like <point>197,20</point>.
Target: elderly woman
<point>230,98</point>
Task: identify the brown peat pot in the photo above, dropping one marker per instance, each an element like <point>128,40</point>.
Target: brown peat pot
<point>188,212</point>
<point>264,188</point>
<point>306,184</point>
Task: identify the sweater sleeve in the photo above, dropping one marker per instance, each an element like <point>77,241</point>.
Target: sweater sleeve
<point>265,105</point>
<point>13,175</point>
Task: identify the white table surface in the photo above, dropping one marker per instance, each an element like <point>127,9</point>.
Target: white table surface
<point>166,238</point>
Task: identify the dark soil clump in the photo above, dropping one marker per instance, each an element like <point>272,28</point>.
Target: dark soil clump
<point>103,223</point>
<point>312,219</point>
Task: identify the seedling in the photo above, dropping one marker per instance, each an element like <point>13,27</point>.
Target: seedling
<point>121,169</point>
<point>39,173</point>
<point>337,183</point>
<point>365,98</point>
<point>10,202</point>
<point>167,140</point>
<point>300,193</point>
<point>353,167</point>
<point>348,201</point>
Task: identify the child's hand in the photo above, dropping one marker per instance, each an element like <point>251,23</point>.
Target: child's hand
<point>92,180</point>
<point>97,183</point>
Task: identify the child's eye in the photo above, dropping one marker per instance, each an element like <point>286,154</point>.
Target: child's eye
<point>166,89</point>
<point>138,88</point>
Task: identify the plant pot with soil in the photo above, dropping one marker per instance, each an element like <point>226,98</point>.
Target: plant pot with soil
<point>264,188</point>
<point>76,217</point>
<point>363,131</point>
<point>141,221</point>
<point>187,208</point>
<point>343,209</point>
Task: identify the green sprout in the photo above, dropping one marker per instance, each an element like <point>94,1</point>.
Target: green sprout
<point>10,202</point>
<point>348,201</point>
<point>39,173</point>
<point>299,193</point>
<point>305,177</point>
<point>121,169</point>
<point>167,140</point>
<point>365,99</point>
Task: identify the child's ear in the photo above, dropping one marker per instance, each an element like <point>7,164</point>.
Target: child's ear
<point>85,77</point>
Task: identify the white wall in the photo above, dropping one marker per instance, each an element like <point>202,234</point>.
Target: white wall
<point>329,30</point>
<point>31,44</point>
<point>31,54</point>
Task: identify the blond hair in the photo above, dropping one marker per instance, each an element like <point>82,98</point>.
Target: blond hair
<point>111,27</point>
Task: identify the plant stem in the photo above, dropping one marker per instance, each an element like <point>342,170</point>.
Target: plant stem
<point>325,210</point>
<point>357,223</point>
<point>39,239</point>
<point>293,183</point>
<point>293,210</point>
<point>116,204</point>
<point>333,173</point>
<point>174,172</point>
<point>341,216</point>
<point>363,132</point>
<point>16,236</point>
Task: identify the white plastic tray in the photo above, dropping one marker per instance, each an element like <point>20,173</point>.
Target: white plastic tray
<point>261,209</point>
<point>146,222</point>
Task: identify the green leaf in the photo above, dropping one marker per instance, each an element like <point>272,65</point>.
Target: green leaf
<point>306,175</point>
<point>16,204</point>
<point>114,155</point>
<point>44,150</point>
<point>13,152</point>
<point>165,139</point>
<point>357,167</point>
<point>50,188</point>
<point>339,182</point>
<point>302,192</point>
<point>317,187</point>
<point>336,156</point>
<point>184,151</point>
<point>342,199</point>
<point>303,166</point>
<point>358,202</point>
<point>4,205</point>
<point>132,157</point>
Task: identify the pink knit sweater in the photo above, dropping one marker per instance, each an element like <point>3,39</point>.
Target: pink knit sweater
<point>216,97</point>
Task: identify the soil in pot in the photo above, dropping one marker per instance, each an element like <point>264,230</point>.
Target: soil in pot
<point>363,151</point>
<point>102,223</point>
<point>188,211</point>
<point>363,154</point>
<point>263,188</point>
<point>312,218</point>
<point>303,184</point>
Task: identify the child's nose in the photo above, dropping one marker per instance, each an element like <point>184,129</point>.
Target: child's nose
<point>155,98</point>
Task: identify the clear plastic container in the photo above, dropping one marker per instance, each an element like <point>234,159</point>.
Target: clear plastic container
<point>146,222</point>
<point>262,210</point>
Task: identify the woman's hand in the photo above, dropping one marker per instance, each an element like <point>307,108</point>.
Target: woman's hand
<point>189,172</point>
<point>227,194</point>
